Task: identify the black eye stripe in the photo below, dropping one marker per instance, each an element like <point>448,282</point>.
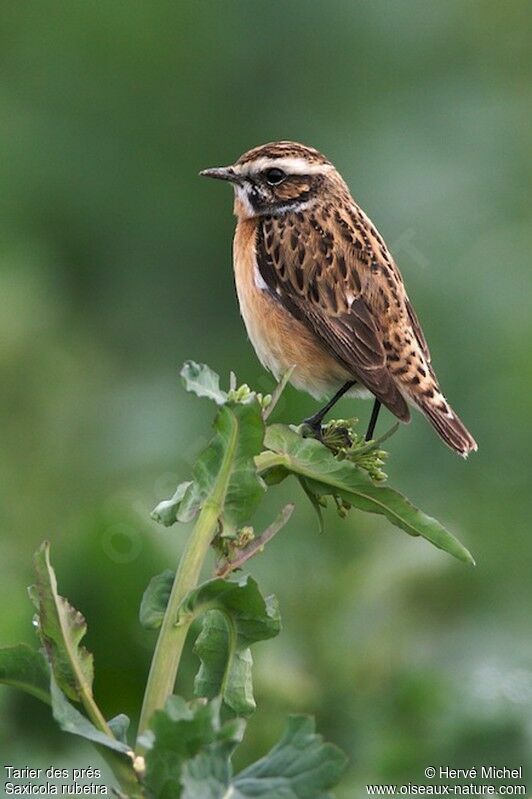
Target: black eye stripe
<point>274,175</point>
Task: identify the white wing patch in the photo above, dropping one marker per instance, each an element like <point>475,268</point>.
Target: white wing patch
<point>350,297</point>
<point>260,283</point>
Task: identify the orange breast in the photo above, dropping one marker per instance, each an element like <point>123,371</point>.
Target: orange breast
<point>279,340</point>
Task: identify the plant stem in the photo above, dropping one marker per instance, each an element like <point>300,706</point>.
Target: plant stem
<point>174,631</point>
<point>276,396</point>
<point>165,662</point>
<point>257,545</point>
<point>124,773</point>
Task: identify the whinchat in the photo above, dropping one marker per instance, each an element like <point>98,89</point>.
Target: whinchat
<point>320,292</point>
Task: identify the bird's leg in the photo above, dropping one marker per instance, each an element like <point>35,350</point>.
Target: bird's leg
<point>373,420</point>
<point>314,421</point>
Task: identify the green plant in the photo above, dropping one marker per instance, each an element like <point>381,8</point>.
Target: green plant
<point>183,749</point>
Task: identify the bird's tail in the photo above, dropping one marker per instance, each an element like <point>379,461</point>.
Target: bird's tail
<point>448,426</point>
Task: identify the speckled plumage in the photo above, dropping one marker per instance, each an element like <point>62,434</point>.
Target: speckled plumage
<point>319,289</point>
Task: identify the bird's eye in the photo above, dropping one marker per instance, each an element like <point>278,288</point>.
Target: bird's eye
<point>275,176</point>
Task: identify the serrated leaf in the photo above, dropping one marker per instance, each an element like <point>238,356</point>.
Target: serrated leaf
<point>324,474</point>
<point>189,757</point>
<point>155,600</point>
<point>224,669</point>
<point>181,733</point>
<point>25,668</point>
<point>226,635</point>
<point>238,616</point>
<point>207,775</point>
<point>72,721</point>
<point>61,628</point>
<point>301,766</point>
<point>201,380</point>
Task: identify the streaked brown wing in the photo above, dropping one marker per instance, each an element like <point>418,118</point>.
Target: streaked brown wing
<point>320,285</point>
<point>418,332</point>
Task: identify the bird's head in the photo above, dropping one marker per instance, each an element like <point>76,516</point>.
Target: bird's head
<point>278,178</point>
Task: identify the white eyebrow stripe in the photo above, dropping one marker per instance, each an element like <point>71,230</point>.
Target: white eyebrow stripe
<point>292,166</point>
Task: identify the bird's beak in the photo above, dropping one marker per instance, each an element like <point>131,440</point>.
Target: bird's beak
<point>221,173</point>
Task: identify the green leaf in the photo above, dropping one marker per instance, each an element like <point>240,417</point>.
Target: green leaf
<point>72,721</point>
<point>155,600</point>
<point>201,380</point>
<point>119,726</point>
<point>180,733</point>
<point>207,775</point>
<point>301,766</point>
<point>238,438</point>
<point>239,433</point>
<point>237,616</point>
<point>114,750</point>
<point>167,511</point>
<point>190,505</point>
<point>275,475</point>
<point>25,668</point>
<point>189,757</point>
<point>316,502</point>
<point>61,629</point>
<point>324,474</point>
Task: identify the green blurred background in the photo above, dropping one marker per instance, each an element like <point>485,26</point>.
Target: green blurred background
<point>116,266</point>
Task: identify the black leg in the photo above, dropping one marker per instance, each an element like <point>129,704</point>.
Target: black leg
<point>373,420</point>
<point>316,419</point>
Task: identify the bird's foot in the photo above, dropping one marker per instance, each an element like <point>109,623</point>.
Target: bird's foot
<point>338,436</point>
<point>312,428</point>
<point>335,435</point>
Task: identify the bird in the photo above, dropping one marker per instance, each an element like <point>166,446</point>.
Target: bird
<point>321,295</point>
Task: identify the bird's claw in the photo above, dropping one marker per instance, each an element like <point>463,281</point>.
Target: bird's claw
<point>309,428</point>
